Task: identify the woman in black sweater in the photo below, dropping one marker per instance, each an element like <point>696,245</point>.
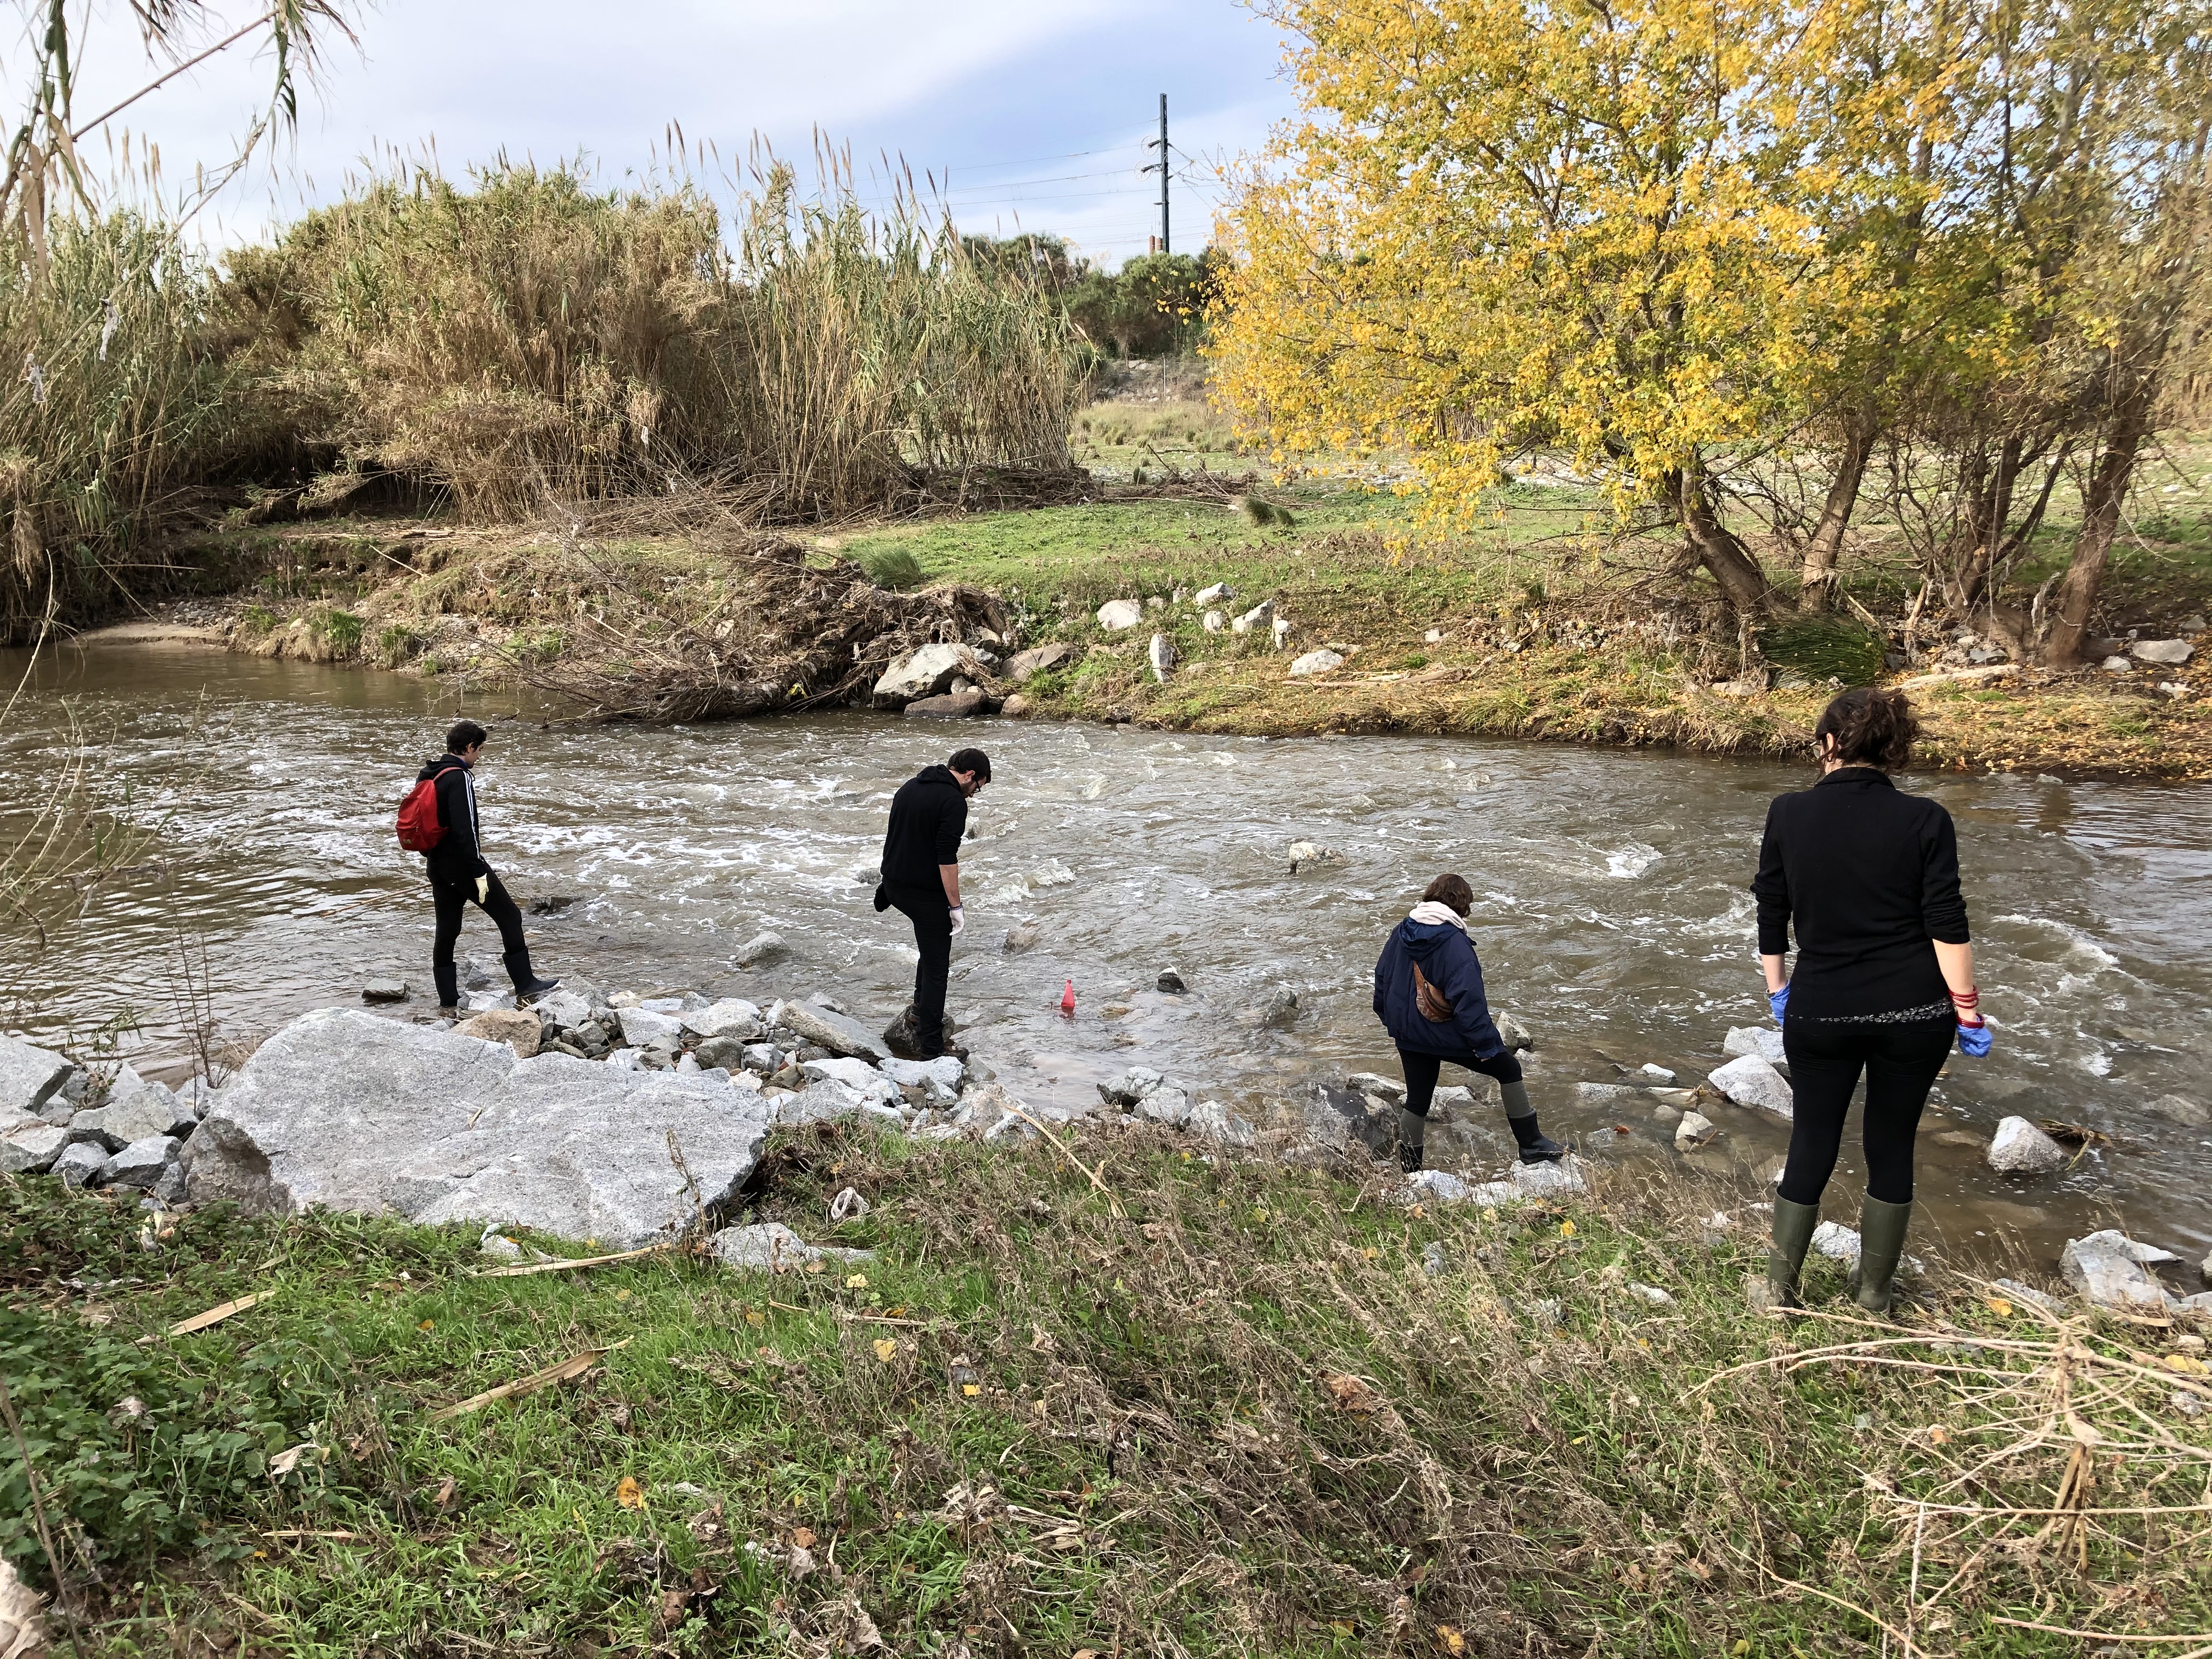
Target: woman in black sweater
<point>1869,878</point>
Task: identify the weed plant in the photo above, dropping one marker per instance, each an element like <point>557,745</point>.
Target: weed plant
<point>1197,1405</point>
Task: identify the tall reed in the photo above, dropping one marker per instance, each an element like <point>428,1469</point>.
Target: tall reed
<point>113,403</point>
<point>521,338</point>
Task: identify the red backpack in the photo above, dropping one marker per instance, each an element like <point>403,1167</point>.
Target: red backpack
<point>419,828</point>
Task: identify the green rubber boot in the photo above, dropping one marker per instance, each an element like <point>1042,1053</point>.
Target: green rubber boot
<point>1785,1257</point>
<point>1881,1247</point>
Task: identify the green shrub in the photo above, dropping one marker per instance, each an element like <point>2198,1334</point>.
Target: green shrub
<point>257,619</point>
<point>1824,647</point>
<point>341,627</point>
<point>891,567</point>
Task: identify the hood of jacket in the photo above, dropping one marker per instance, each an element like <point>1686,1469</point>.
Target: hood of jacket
<point>1423,940</point>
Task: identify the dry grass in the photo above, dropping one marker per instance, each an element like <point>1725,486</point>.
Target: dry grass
<point>1196,1404</point>
<point>531,338</point>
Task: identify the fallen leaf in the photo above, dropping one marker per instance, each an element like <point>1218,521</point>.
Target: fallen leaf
<point>856,1281</point>
<point>287,1460</point>
<point>2000,1307</point>
<point>445,1490</point>
<point>1351,1394</point>
<point>803,1538</point>
<point>885,1348</point>
<point>1938,1435</point>
<point>427,1324</point>
<point>970,1389</point>
<point>1450,1639</point>
<point>1567,1229</point>
<point>753,1316</point>
<point>628,1494</point>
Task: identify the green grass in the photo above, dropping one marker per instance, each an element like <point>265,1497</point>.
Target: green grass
<point>1232,1410</point>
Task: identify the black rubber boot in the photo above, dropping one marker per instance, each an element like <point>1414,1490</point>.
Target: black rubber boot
<point>1785,1257</point>
<point>1542,1149</point>
<point>1412,1138</point>
<point>536,987</point>
<point>1881,1247</point>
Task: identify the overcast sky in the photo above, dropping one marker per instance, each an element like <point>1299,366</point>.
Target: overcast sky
<point>1034,110</point>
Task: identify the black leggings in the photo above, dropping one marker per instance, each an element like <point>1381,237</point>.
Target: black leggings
<point>1421,1071</point>
<point>1901,1062</point>
<point>451,899</point>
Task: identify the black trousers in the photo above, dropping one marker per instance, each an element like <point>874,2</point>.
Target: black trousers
<point>1901,1062</point>
<point>1422,1070</point>
<point>927,908</point>
<point>451,899</point>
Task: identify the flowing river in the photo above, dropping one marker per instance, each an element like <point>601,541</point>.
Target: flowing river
<point>1612,913</point>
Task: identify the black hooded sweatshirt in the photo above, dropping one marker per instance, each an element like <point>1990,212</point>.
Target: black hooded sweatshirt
<point>457,858</point>
<point>929,815</point>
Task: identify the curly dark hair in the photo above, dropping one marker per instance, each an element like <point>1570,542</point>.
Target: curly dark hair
<point>1452,890</point>
<point>1871,728</point>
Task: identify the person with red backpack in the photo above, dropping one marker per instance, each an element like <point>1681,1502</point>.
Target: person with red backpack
<point>439,820</point>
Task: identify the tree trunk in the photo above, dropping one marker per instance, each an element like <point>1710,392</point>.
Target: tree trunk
<point>1717,547</point>
<point>1817,579</point>
<point>2100,518</point>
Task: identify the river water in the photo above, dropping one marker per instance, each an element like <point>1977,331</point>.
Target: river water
<point>1613,916</point>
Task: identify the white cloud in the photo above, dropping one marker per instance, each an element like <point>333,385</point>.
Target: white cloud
<point>1018,86</point>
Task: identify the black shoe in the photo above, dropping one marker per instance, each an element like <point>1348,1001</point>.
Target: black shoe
<point>537,988</point>
<point>952,1050</point>
<point>1542,1150</point>
<point>1409,1157</point>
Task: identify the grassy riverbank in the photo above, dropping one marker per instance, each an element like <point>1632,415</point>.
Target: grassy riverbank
<point>1197,1405</point>
<point>1528,630</point>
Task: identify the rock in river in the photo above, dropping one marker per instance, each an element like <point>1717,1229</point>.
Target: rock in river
<point>28,1076</point>
<point>1754,1040</point>
<point>840,1034</point>
<point>953,706</point>
<point>924,673</point>
<point>2189,1113</point>
<point>1750,1081</point>
<point>2020,1148</point>
<point>355,1113</point>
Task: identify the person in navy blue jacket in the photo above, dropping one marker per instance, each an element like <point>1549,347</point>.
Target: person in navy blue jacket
<point>1442,1016</point>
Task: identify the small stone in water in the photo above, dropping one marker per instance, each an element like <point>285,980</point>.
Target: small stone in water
<point>384,990</point>
<point>1171,982</point>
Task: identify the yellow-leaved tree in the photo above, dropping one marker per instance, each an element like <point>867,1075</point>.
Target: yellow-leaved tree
<point>1503,226</point>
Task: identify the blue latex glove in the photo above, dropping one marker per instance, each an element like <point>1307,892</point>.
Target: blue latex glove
<point>1974,1041</point>
<point>1779,1002</point>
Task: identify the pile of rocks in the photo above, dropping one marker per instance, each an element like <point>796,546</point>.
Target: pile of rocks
<point>120,1130</point>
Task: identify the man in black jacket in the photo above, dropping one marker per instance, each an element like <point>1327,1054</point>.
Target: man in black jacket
<point>459,873</point>
<point>921,877</point>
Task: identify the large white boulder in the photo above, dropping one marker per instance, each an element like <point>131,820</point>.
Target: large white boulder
<point>2020,1148</point>
<point>1749,1080</point>
<point>1754,1040</point>
<point>854,1074</point>
<point>1117,613</point>
<point>825,1028</point>
<point>925,672</point>
<point>135,1110</point>
<point>351,1112</point>
<point>2108,1268</point>
<point>2173,653</point>
<point>731,1017</point>
<point>29,1075</point>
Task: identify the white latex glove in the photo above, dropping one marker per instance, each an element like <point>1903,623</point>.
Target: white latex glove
<point>484,889</point>
<point>959,920</point>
